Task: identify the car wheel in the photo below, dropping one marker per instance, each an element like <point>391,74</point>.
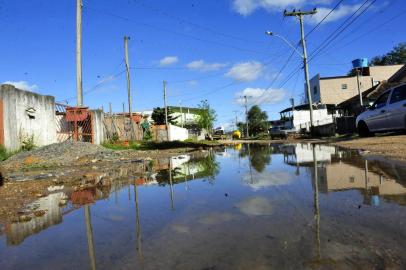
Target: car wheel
<point>363,130</point>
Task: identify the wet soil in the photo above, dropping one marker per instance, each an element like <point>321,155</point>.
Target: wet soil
<point>393,147</point>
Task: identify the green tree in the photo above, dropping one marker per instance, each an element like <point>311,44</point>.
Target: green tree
<point>206,116</point>
<point>158,116</point>
<point>257,120</point>
<point>397,56</point>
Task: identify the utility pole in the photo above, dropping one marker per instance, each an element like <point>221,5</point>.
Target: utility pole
<point>246,115</point>
<point>79,90</point>
<point>299,14</point>
<point>110,109</point>
<point>359,89</point>
<point>166,111</point>
<point>181,114</point>
<point>127,67</point>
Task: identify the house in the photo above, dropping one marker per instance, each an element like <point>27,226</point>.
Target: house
<point>298,117</point>
<point>335,90</point>
<point>352,106</point>
<point>185,116</point>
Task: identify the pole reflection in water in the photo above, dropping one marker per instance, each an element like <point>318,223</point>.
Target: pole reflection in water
<point>249,162</point>
<point>171,184</point>
<point>138,225</point>
<point>89,233</point>
<point>316,204</point>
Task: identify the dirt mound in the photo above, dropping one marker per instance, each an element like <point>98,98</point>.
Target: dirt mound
<point>58,154</point>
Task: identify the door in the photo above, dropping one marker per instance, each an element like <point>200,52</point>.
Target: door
<point>376,120</point>
<point>397,108</point>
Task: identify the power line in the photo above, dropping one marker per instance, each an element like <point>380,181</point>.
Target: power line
<point>325,17</point>
<point>175,32</point>
<point>205,28</point>
<point>343,27</point>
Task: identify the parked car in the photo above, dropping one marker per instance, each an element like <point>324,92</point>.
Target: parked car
<point>280,132</point>
<point>387,113</point>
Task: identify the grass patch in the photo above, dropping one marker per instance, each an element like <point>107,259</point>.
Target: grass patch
<point>4,154</point>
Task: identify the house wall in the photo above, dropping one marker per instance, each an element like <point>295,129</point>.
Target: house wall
<point>301,119</point>
<point>27,114</point>
<point>330,89</point>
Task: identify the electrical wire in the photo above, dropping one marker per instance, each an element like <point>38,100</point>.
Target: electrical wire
<point>174,32</point>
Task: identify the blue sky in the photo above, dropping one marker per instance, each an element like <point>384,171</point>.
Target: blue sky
<point>214,50</point>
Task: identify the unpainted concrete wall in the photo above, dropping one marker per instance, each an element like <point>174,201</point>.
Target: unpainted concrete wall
<point>98,126</point>
<point>27,114</point>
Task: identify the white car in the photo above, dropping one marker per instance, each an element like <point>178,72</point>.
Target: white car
<point>388,113</point>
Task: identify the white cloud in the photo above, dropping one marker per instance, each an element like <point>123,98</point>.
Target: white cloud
<point>201,65</point>
<point>258,181</point>
<point>246,7</point>
<point>337,14</point>
<point>255,206</point>
<point>23,85</point>
<point>192,82</point>
<point>260,96</point>
<point>168,60</point>
<point>247,71</point>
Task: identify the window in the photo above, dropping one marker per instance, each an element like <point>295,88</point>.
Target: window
<point>315,90</point>
<point>381,101</point>
<point>344,86</point>
<point>398,94</point>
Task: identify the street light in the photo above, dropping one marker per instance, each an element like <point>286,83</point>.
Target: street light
<point>304,57</point>
<point>269,33</point>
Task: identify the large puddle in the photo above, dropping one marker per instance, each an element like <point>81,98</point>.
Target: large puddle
<point>247,207</point>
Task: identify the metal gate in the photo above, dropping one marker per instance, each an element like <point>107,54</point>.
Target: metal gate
<point>73,123</point>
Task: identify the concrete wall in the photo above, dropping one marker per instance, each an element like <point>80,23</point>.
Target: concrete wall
<point>26,114</point>
<point>98,126</point>
<point>177,133</point>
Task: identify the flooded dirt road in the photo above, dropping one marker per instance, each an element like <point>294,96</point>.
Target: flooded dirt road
<point>249,207</point>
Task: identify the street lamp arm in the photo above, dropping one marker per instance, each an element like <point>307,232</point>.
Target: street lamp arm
<point>286,41</point>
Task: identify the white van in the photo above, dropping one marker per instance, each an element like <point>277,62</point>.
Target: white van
<point>388,113</point>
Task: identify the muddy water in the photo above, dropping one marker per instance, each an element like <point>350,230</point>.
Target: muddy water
<point>251,207</point>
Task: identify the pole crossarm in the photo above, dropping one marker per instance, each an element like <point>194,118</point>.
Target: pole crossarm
<point>299,12</point>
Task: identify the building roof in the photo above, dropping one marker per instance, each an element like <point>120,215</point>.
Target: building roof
<point>305,107</point>
<point>184,109</point>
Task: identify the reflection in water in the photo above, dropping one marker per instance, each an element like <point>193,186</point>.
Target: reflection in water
<point>255,206</point>
<point>138,226</point>
<point>270,220</point>
<point>89,234</point>
<point>259,155</point>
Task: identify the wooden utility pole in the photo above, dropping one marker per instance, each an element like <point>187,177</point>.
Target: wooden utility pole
<point>79,90</point>
<point>299,14</point>
<point>127,67</point>
<point>166,111</point>
<point>246,115</point>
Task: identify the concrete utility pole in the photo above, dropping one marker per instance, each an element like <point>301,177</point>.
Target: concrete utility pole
<point>181,114</point>
<point>359,89</point>
<point>299,14</point>
<point>79,90</point>
<point>246,115</point>
<point>110,109</point>
<point>166,110</point>
<point>127,67</point>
